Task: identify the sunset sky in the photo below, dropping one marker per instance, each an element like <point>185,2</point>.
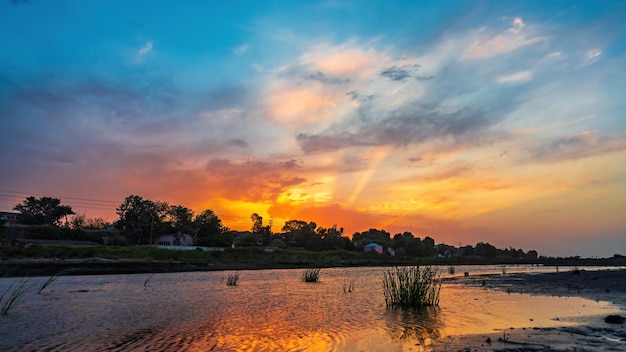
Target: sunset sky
<point>466,121</point>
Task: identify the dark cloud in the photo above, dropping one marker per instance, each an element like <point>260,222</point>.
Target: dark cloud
<point>235,142</point>
<point>404,128</point>
<point>576,147</point>
<point>416,159</point>
<point>401,73</point>
<point>356,96</point>
<point>320,77</point>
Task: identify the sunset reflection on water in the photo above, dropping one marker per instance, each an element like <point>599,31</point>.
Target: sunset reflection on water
<point>270,310</point>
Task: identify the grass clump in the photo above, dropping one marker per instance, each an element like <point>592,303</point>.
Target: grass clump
<point>411,286</point>
<point>311,275</point>
<point>232,279</point>
<point>15,292</point>
<point>451,269</point>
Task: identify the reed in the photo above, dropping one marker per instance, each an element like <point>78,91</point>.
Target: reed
<point>311,275</point>
<point>233,279</point>
<point>146,283</point>
<point>348,286</point>
<point>15,291</point>
<point>411,287</point>
<point>51,279</point>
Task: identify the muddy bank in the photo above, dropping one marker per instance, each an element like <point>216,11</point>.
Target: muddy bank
<point>601,285</point>
<point>593,333</point>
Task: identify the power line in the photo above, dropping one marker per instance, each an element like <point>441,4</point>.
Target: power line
<point>60,197</point>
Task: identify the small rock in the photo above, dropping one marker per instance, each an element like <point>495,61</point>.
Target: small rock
<point>488,340</point>
<point>614,319</point>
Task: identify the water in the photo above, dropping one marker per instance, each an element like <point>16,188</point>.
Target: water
<point>269,310</point>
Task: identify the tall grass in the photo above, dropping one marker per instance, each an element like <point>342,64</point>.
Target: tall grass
<point>411,286</point>
<point>52,279</point>
<point>232,279</point>
<point>311,275</point>
<point>15,291</point>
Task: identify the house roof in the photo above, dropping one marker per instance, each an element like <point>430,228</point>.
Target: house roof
<point>373,244</point>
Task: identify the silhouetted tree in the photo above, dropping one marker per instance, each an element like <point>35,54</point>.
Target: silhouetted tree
<point>302,233</point>
<point>139,219</point>
<point>332,238</point>
<point>257,228</point>
<point>180,218</point>
<point>210,231</point>
<point>485,250</point>
<point>361,239</point>
<point>42,211</point>
<point>82,221</point>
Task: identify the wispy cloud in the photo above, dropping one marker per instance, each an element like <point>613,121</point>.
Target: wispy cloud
<point>242,49</point>
<point>486,45</point>
<point>145,49</point>
<point>517,77</point>
<point>591,56</point>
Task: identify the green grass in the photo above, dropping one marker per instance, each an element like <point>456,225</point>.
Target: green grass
<point>14,292</point>
<point>232,279</point>
<point>411,286</point>
<point>311,275</point>
<point>50,280</point>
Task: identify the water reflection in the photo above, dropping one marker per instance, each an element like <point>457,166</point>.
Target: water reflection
<point>270,310</point>
<point>422,325</point>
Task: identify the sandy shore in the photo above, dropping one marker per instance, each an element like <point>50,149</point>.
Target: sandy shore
<point>593,334</point>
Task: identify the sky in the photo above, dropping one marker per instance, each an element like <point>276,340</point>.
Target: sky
<point>466,121</point>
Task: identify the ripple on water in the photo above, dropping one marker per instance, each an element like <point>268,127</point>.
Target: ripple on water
<point>269,310</point>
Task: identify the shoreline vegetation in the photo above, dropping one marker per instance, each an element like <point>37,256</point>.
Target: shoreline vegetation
<point>46,260</point>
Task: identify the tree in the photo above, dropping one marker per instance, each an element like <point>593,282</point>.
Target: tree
<point>485,250</point>
<point>332,238</point>
<point>210,231</point>
<point>139,219</point>
<point>42,211</point>
<point>361,239</point>
<point>257,228</point>
<point>180,218</point>
<point>82,221</point>
<point>301,232</point>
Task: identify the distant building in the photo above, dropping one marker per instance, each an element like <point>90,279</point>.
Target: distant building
<point>9,217</point>
<point>373,247</point>
<point>174,240</point>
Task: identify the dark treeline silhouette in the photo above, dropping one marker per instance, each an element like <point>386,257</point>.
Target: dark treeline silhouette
<point>141,221</point>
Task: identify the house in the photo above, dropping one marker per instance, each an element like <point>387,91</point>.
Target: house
<point>373,247</point>
<point>182,239</point>
<point>9,218</point>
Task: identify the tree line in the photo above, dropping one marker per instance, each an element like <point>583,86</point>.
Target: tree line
<point>140,221</point>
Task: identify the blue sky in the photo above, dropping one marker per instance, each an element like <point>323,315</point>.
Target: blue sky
<point>467,121</point>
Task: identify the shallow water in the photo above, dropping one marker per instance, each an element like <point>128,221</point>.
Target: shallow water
<point>269,310</point>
